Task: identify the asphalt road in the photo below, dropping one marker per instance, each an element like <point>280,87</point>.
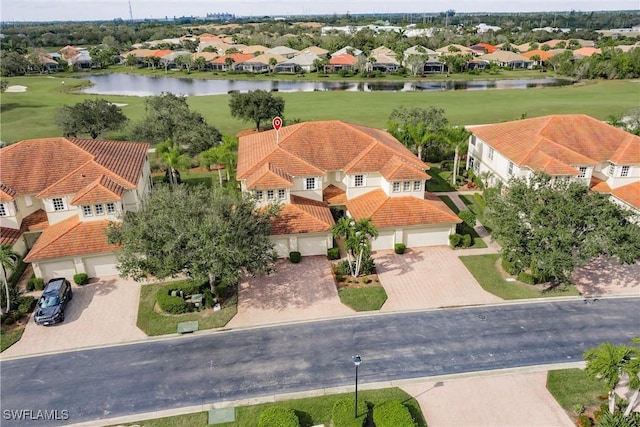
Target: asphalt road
<point>193,370</point>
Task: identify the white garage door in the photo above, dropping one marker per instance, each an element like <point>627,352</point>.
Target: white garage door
<point>312,245</point>
<point>426,237</point>
<point>281,245</point>
<point>53,269</point>
<point>101,266</point>
<point>383,241</point>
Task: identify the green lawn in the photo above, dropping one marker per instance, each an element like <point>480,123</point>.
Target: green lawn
<point>9,337</point>
<point>483,268</point>
<point>154,323</point>
<point>30,114</point>
<point>572,387</point>
<point>478,243</point>
<point>311,411</point>
<point>363,299</point>
<point>440,180</point>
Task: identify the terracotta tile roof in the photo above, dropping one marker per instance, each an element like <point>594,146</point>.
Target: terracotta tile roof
<point>269,176</point>
<point>387,211</point>
<point>237,58</point>
<point>80,179</point>
<point>316,50</point>
<point>344,59</point>
<point>71,237</point>
<point>573,139</point>
<point>265,58</point>
<point>7,193</point>
<point>544,55</point>
<point>9,236</point>
<point>36,221</point>
<point>161,52</point>
<point>586,51</point>
<point>103,189</point>
<point>302,215</point>
<point>397,169</point>
<point>629,194</point>
<point>208,56</point>
<point>333,195</point>
<point>55,159</point>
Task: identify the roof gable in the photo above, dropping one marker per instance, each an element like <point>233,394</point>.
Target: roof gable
<point>103,189</point>
<point>629,194</point>
<point>302,215</point>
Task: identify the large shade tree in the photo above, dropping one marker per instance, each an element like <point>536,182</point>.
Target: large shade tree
<point>256,106</point>
<point>551,226</point>
<point>92,117</point>
<point>208,235</point>
<point>168,117</point>
<point>417,127</point>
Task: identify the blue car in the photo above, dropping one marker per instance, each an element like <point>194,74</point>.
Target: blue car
<point>54,299</point>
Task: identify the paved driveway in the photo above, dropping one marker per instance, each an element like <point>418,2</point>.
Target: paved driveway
<point>428,277</point>
<point>103,312</point>
<point>293,292</point>
<point>608,277</point>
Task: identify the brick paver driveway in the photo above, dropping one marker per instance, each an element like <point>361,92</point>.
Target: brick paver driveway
<point>101,313</point>
<point>293,292</point>
<point>607,277</point>
<point>427,278</point>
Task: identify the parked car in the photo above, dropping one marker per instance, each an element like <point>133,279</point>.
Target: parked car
<point>54,299</point>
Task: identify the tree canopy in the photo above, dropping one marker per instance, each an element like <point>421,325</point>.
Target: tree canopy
<point>92,117</point>
<point>168,117</point>
<point>551,226</point>
<point>256,106</point>
<point>418,127</point>
<point>209,235</point>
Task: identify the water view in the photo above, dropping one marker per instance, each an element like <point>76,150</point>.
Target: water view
<point>132,85</point>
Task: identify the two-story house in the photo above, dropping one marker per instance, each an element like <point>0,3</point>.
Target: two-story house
<point>566,146</point>
<point>315,168</point>
<point>58,196</point>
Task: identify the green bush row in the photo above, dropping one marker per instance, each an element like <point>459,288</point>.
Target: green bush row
<point>24,305</point>
<point>468,217</point>
<point>392,414</point>
<point>81,279</point>
<point>480,200</point>
<point>460,241</point>
<point>343,413</point>
<point>512,267</point>
<point>171,304</point>
<point>277,416</point>
<point>399,248</point>
<point>35,283</point>
<point>333,253</point>
<point>295,257</point>
<point>368,267</point>
<point>188,287</point>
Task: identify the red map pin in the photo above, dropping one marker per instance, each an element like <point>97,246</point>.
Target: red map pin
<point>277,123</point>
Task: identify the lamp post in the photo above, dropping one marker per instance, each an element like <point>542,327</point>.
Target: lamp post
<point>356,361</point>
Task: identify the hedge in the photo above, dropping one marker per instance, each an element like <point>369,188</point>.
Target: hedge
<point>295,257</point>
<point>188,287</point>
<point>455,240</point>
<point>278,416</point>
<point>26,304</point>
<point>169,304</point>
<point>468,217</point>
<point>343,413</point>
<point>527,278</point>
<point>333,253</point>
<point>38,283</point>
<point>392,414</point>
<point>81,279</point>
<point>399,248</point>
<point>480,200</point>
<point>510,267</point>
<point>15,276</point>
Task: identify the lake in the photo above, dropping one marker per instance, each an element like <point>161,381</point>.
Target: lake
<point>133,85</point>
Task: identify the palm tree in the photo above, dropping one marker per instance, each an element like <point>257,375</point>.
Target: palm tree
<point>360,241</point>
<point>172,157</point>
<point>8,258</point>
<point>229,63</point>
<point>606,363</point>
<point>456,137</point>
<point>343,228</point>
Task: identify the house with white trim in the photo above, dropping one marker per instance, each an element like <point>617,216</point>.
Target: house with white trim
<point>58,195</point>
<point>319,170</point>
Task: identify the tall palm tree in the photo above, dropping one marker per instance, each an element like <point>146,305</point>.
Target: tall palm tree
<point>343,228</point>
<point>632,369</point>
<point>8,258</point>
<point>360,242</point>
<point>174,160</point>
<point>456,137</point>
<point>606,363</point>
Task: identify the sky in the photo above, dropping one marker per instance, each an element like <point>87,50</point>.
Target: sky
<point>58,10</point>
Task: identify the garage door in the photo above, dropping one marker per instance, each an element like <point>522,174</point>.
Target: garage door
<point>426,237</point>
<point>312,245</point>
<point>101,266</point>
<point>53,269</point>
<point>383,241</point>
<point>281,246</point>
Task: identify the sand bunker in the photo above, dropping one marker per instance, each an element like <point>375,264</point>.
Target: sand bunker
<point>16,89</point>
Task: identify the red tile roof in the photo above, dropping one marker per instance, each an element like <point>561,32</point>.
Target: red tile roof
<point>269,176</point>
<point>333,195</point>
<point>7,193</point>
<point>544,55</point>
<point>629,194</point>
<point>386,211</point>
<point>599,185</point>
<point>71,237</point>
<point>398,169</point>
<point>161,53</point>
<point>237,58</point>
<point>486,46</point>
<point>571,139</point>
<point>103,189</point>
<point>9,236</point>
<point>344,59</point>
<point>36,221</point>
<point>302,215</point>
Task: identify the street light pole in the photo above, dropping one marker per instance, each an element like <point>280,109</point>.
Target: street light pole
<point>356,361</point>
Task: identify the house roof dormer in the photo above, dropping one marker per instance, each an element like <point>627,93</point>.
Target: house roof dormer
<point>269,176</point>
<point>103,189</point>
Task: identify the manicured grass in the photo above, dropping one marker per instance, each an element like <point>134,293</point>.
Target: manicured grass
<point>572,387</point>
<point>447,201</point>
<point>9,337</point>
<point>440,180</point>
<point>153,323</point>
<point>310,411</point>
<point>369,298</point>
<point>30,114</point>
<point>483,268</point>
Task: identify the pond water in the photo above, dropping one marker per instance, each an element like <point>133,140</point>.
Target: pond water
<point>126,84</point>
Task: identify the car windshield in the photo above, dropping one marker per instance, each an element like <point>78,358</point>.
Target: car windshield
<point>49,301</point>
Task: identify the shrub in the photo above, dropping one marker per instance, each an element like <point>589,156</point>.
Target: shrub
<point>38,283</point>
<point>399,248</point>
<point>295,257</point>
<point>578,408</point>
<point>366,280</point>
<point>333,253</point>
<point>480,200</point>
<point>467,241</point>
<point>30,286</point>
<point>455,240</point>
<point>81,279</point>
<point>585,421</point>
<point>208,298</point>
<point>368,266</point>
<point>278,416</point>
<point>527,278</point>
<point>9,320</point>
<point>468,217</point>
<point>343,413</point>
<point>343,268</point>
<point>26,304</point>
<point>392,414</point>
<point>169,304</point>
<point>15,276</point>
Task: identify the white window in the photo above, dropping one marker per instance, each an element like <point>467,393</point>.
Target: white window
<point>28,201</point>
<point>583,172</point>
<point>310,183</point>
<point>510,169</point>
<point>58,204</point>
<point>270,194</point>
<point>281,194</point>
<point>3,210</point>
<point>111,208</point>
<point>611,169</point>
<point>625,171</point>
<point>417,185</point>
<point>396,187</point>
<point>86,210</point>
<point>473,140</point>
<point>359,180</point>
<point>490,153</point>
<point>99,209</point>
<point>259,194</point>
<point>406,186</point>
